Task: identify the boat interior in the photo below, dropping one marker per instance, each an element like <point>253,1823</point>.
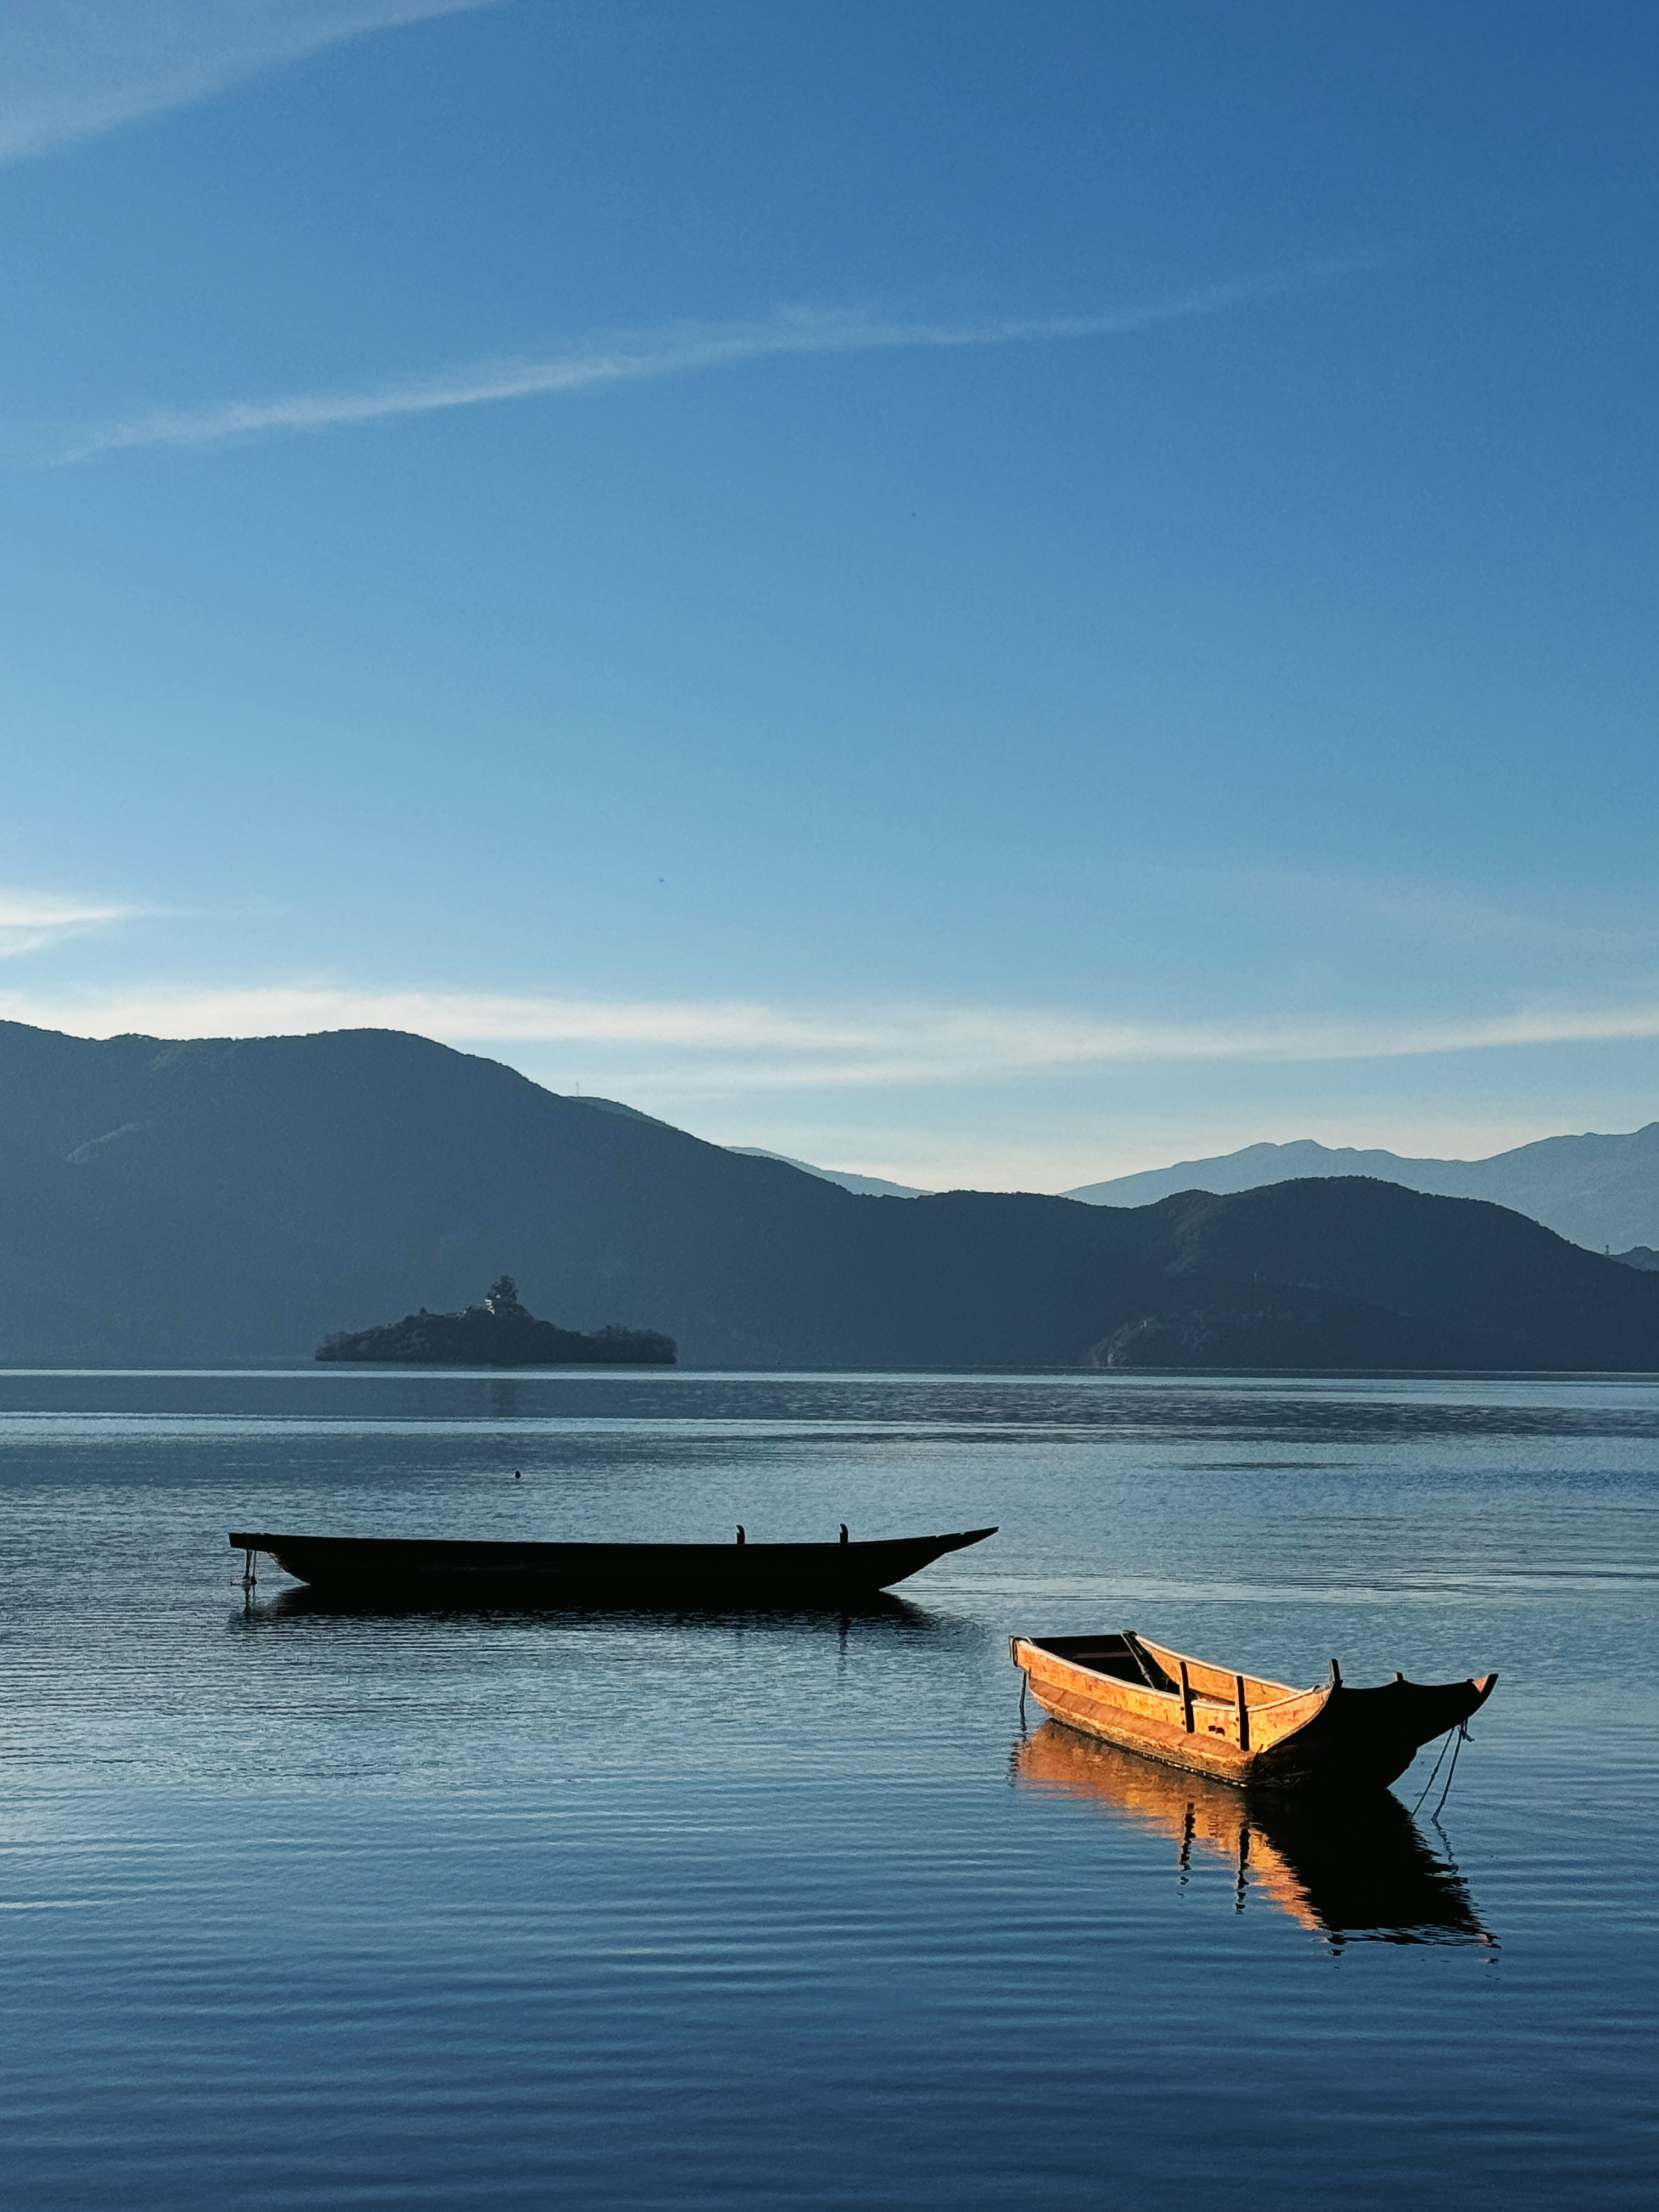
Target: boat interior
<point>1123,1656</point>
<point>1128,1657</point>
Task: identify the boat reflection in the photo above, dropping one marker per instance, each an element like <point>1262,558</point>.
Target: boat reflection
<point>1343,1868</point>
<point>299,1601</point>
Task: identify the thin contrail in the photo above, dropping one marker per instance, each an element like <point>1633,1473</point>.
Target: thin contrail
<point>675,353</point>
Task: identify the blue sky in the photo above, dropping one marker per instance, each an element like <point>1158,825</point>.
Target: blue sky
<point>992,596</point>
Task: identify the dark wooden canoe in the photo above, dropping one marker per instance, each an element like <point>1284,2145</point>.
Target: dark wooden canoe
<point>603,1574</point>
<point>1239,1727</point>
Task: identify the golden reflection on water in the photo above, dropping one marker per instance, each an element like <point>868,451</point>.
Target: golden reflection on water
<point>1358,1868</point>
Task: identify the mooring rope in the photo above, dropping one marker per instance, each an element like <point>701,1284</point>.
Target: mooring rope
<point>1461,1738</point>
<point>1453,1740</point>
<point>1445,1744</point>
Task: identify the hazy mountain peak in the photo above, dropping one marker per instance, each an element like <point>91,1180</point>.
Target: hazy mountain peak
<point>863,1186</point>
<point>1600,1191</point>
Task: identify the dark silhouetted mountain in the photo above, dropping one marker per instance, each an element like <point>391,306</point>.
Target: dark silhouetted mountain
<point>498,1332</point>
<point>1640,1255</point>
<point>1602,1192</point>
<point>864,1186</point>
<point>240,1200</point>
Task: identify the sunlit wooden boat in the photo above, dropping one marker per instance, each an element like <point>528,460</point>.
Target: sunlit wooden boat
<point>1239,1727</point>
<point>741,1574</point>
<point>1339,1866</point>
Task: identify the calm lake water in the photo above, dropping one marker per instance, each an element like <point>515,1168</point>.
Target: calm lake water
<point>308,1909</point>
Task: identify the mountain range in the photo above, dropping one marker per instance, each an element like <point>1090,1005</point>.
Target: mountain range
<point>240,1200</point>
<point>1602,1192</point>
<point>864,1186</point>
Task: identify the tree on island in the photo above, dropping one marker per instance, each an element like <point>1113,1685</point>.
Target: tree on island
<point>503,1296</point>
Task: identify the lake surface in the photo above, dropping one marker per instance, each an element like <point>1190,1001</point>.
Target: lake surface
<point>301,1908</point>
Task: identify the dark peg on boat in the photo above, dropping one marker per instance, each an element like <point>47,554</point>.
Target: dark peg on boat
<point>742,1538</point>
<point>1336,1675</point>
<point>843,1532</point>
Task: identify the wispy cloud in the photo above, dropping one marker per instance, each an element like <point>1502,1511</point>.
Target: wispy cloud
<point>1443,914</point>
<point>30,919</point>
<point>680,351</point>
<point>739,1045</point>
<point>70,69</point>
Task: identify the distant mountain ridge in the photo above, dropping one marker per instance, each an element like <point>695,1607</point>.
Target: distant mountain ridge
<point>863,1186</point>
<point>1599,1192</point>
<point>231,1200</point>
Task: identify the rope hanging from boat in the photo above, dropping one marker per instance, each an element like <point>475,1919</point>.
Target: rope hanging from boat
<point>1454,1741</point>
<point>1462,1738</point>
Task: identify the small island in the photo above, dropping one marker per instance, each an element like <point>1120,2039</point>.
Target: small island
<point>498,1334</point>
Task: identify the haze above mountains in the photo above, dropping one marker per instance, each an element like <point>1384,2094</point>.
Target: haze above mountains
<point>1602,1192</point>
<point>224,1199</point>
<point>1599,1192</point>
